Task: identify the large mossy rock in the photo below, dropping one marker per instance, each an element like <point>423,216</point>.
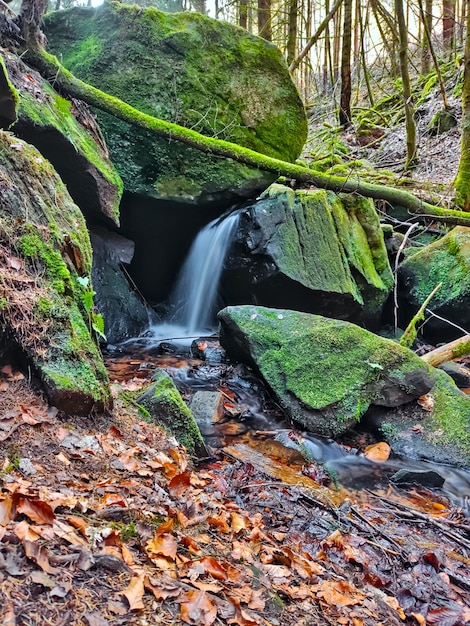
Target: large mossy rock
<point>167,408</point>
<point>193,70</point>
<point>311,251</point>
<point>445,261</point>
<point>45,289</point>
<point>67,135</point>
<point>327,374</point>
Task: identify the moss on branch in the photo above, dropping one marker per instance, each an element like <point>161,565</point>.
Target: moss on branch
<point>52,70</point>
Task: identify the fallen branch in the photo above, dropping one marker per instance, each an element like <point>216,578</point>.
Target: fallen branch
<point>61,78</point>
<point>454,349</point>
<point>408,337</point>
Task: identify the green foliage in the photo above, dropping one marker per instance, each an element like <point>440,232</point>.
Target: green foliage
<point>126,531</point>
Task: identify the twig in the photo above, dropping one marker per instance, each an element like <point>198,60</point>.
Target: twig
<point>395,275</point>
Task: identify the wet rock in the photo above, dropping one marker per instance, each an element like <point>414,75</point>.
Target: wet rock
<point>67,135</point>
<point>324,373</point>
<point>459,373</point>
<point>207,350</point>
<point>208,409</point>
<point>166,407</point>
<point>429,478</point>
<point>445,261</point>
<point>46,301</point>
<point>125,314</point>
<point>202,73</point>
<point>310,251</point>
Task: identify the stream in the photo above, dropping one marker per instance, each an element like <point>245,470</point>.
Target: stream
<point>247,415</point>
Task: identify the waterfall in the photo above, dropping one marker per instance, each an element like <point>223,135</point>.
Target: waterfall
<point>193,302</point>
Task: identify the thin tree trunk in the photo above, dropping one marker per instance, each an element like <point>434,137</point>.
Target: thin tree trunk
<point>426,18</point>
<point>345,96</point>
<point>292,30</point>
<point>448,22</point>
<point>315,37</point>
<point>363,52</point>
<point>264,19</point>
<point>462,181</point>
<point>411,156</point>
<point>243,13</point>
<point>433,54</point>
<point>388,42</point>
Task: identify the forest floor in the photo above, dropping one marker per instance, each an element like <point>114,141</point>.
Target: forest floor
<point>107,521</point>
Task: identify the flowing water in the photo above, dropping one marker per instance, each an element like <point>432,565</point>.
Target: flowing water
<point>195,299</point>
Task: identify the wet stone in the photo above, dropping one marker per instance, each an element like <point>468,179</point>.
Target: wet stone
<point>428,478</point>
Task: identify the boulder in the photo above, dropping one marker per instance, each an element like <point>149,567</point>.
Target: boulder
<point>201,73</point>
<point>125,314</point>
<point>66,134</point>
<point>166,407</point>
<point>445,261</point>
<point>311,251</point>
<point>46,296</point>
<point>324,373</point>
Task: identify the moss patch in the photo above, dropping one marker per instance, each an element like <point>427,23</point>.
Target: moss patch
<point>8,98</point>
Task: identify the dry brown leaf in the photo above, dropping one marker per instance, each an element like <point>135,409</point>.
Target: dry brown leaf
<point>239,522</point>
<point>7,513</point>
<point>197,608</point>
<point>378,452</point>
<point>112,499</point>
<point>25,532</point>
<point>134,592</point>
<point>164,528</point>
<point>164,545</point>
<point>338,593</point>
<point>241,617</point>
<point>37,510</point>
<point>39,555</point>
<point>179,484</point>
<point>8,616</point>
<point>220,522</point>
<point>162,589</point>
<point>95,618</point>
<point>257,602</point>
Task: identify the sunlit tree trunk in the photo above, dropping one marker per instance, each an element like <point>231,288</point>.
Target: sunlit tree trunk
<point>462,181</point>
<point>243,13</point>
<point>345,96</point>
<point>292,30</point>
<point>389,36</point>
<point>427,28</point>
<point>448,23</point>
<point>264,19</point>
<point>410,127</point>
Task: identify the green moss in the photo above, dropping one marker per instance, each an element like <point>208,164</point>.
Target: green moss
<point>166,407</point>
<point>8,98</point>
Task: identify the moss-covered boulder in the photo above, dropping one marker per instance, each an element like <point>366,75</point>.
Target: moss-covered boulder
<point>445,261</point>
<point>67,135</point>
<point>46,296</point>
<point>311,251</point>
<point>166,407</point>
<point>8,98</point>
<point>193,70</point>
<point>325,373</point>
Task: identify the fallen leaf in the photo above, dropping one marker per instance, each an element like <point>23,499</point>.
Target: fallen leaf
<point>179,484</point>
<point>39,555</point>
<point>164,545</point>
<point>134,593</point>
<point>338,593</point>
<point>8,617</point>
<point>241,617</point>
<point>37,510</point>
<point>24,531</point>
<point>197,608</point>
<point>6,511</point>
<point>378,452</point>
<point>95,618</point>
<point>426,402</point>
<point>162,589</point>
<point>220,521</point>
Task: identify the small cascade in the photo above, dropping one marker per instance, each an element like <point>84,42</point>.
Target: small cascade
<point>194,301</point>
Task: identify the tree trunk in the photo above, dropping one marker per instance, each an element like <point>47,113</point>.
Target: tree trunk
<point>462,181</point>
<point>345,95</point>
<point>292,30</point>
<point>243,13</point>
<point>411,154</point>
<point>264,19</point>
<point>448,23</point>
<point>427,27</point>
<point>31,14</point>
<point>65,81</point>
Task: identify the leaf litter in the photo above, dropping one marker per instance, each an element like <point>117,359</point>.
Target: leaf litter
<point>116,525</point>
